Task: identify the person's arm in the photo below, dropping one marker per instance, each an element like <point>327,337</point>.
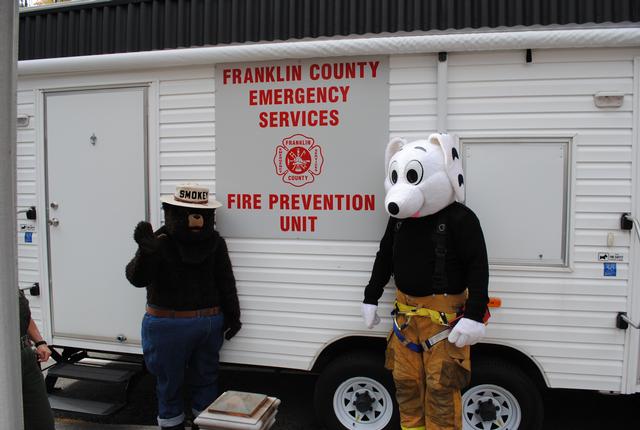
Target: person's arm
<point>473,253</point>
<point>144,265</point>
<point>226,283</point>
<point>382,266</point>
<point>140,269</point>
<point>42,349</point>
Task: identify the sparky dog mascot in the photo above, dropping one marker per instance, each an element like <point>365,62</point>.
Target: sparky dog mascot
<point>191,301</point>
<point>434,248</point>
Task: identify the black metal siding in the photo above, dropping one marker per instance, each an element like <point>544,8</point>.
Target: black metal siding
<point>143,25</point>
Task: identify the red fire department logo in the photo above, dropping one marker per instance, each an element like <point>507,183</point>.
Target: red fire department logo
<point>298,160</point>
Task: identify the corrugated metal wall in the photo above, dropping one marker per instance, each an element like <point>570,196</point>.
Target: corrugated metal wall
<point>143,25</point>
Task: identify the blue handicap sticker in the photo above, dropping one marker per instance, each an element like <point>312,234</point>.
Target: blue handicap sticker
<point>28,237</point>
<point>610,269</point>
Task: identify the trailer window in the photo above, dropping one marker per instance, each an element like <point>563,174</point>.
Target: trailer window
<point>519,190</point>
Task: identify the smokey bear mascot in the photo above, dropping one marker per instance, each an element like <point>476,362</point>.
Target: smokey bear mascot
<point>434,248</point>
<point>192,301</point>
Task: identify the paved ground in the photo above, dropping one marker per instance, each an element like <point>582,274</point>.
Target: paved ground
<point>565,409</point>
<point>74,424</point>
<point>294,389</point>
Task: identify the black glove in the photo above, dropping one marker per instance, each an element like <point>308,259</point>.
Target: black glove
<point>145,238</point>
<point>232,329</point>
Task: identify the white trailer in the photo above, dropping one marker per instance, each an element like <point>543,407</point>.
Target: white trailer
<point>548,121</point>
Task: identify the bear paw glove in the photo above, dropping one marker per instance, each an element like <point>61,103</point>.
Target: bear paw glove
<point>233,329</point>
<point>145,238</point>
<point>466,332</point>
<point>370,315</point>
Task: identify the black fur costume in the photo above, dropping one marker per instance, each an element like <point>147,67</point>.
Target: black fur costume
<point>183,268</point>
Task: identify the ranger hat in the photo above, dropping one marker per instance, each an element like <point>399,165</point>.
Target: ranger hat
<point>192,196</point>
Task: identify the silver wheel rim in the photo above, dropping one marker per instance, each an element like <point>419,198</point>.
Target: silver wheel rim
<point>347,413</point>
<point>508,412</point>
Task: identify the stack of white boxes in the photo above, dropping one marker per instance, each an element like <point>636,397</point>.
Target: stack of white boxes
<point>235,410</point>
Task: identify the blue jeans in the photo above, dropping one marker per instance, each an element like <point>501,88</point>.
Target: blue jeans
<point>179,350</point>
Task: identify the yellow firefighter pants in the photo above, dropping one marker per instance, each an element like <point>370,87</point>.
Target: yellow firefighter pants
<point>428,384</point>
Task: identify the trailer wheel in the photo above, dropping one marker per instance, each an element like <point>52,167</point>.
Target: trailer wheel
<point>356,392</point>
<point>501,397</point>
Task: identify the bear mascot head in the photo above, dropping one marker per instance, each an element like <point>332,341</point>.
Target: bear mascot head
<point>423,176</point>
<point>189,218</point>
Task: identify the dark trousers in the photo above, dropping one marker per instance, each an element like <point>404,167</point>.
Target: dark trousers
<point>37,411</point>
<point>181,351</point>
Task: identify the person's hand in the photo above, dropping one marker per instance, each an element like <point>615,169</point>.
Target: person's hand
<point>43,352</point>
<point>232,330</point>
<point>145,238</point>
<point>467,332</point>
<point>370,315</point>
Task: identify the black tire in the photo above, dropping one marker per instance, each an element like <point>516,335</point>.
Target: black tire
<point>497,376</point>
<point>365,366</point>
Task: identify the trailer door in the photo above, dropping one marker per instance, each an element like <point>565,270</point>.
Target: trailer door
<point>96,193</point>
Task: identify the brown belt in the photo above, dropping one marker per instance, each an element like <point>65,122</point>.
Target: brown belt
<point>169,313</point>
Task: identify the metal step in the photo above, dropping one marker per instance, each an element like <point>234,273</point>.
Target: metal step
<point>114,357</point>
<point>91,373</point>
<point>80,406</point>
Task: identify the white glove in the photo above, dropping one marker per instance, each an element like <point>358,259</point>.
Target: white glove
<point>370,315</point>
<point>466,332</point>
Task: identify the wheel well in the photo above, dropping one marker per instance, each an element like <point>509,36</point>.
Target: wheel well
<point>513,356</point>
<point>346,344</point>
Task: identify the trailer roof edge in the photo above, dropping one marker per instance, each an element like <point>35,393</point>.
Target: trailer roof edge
<point>526,38</point>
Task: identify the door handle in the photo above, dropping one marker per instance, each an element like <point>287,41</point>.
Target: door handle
<point>53,221</point>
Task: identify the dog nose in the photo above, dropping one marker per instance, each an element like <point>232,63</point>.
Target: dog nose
<point>393,208</point>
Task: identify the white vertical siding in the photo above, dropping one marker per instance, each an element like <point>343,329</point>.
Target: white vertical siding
<point>412,95</point>
<point>186,131</point>
<point>565,320</point>
<point>28,253</point>
<point>296,296</point>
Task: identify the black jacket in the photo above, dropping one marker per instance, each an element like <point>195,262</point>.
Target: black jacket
<point>409,255</point>
<point>173,283</point>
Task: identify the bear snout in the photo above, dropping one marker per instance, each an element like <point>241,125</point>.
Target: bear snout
<point>403,201</point>
<point>196,221</point>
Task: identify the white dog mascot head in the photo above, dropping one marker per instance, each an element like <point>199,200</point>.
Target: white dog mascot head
<point>423,176</point>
